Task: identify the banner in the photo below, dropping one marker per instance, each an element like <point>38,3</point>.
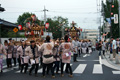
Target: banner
<point>116,18</point>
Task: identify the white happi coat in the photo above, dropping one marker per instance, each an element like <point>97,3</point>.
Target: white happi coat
<point>28,51</point>
<point>15,51</point>
<point>64,51</point>
<point>25,58</point>
<point>75,46</point>
<point>46,51</point>
<point>84,47</point>
<point>9,51</point>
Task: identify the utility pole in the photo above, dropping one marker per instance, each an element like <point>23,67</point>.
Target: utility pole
<point>99,16</point>
<point>111,23</point>
<point>45,16</point>
<point>0,29</point>
<point>119,17</point>
<point>63,29</point>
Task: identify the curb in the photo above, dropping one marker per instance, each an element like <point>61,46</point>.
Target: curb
<point>118,66</point>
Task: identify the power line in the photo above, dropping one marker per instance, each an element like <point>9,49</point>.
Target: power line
<point>53,9</point>
<point>74,12</point>
<point>23,11</point>
<point>57,12</point>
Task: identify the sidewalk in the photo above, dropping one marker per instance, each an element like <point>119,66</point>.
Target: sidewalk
<point>113,61</point>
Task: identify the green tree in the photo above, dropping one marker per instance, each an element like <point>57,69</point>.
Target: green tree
<point>26,17</point>
<point>56,25</point>
<point>107,14</point>
<point>21,19</point>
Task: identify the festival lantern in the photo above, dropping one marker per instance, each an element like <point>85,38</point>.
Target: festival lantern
<point>28,25</point>
<point>42,32</point>
<point>32,32</point>
<point>112,6</point>
<point>20,27</point>
<point>25,34</point>
<point>47,25</point>
<point>33,17</point>
<point>29,33</point>
<point>81,30</point>
<point>111,13</point>
<point>37,32</point>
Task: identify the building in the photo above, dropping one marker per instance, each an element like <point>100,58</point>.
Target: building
<point>90,34</point>
<point>6,27</point>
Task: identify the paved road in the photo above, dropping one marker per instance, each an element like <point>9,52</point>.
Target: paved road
<point>88,68</point>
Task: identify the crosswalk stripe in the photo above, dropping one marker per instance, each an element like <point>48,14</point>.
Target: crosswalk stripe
<point>7,70</point>
<point>23,70</point>
<point>100,60</point>
<point>40,70</point>
<point>85,55</point>
<point>97,69</point>
<point>5,66</point>
<point>17,71</point>
<point>80,68</point>
<point>116,72</point>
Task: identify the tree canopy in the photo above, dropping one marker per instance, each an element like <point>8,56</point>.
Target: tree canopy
<point>56,25</point>
<point>107,14</point>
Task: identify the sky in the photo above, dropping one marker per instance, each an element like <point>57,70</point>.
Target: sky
<point>82,12</point>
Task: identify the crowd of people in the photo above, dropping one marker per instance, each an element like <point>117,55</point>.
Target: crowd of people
<point>111,47</point>
<point>52,55</point>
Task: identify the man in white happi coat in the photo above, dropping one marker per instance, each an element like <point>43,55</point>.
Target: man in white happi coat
<point>75,49</point>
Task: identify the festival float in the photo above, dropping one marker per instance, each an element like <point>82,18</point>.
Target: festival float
<point>33,30</point>
<point>73,31</point>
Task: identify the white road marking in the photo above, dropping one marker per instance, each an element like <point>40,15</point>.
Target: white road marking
<point>116,72</point>
<point>7,70</point>
<point>85,55</point>
<point>100,60</point>
<point>40,70</point>
<point>97,69</point>
<point>80,68</point>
